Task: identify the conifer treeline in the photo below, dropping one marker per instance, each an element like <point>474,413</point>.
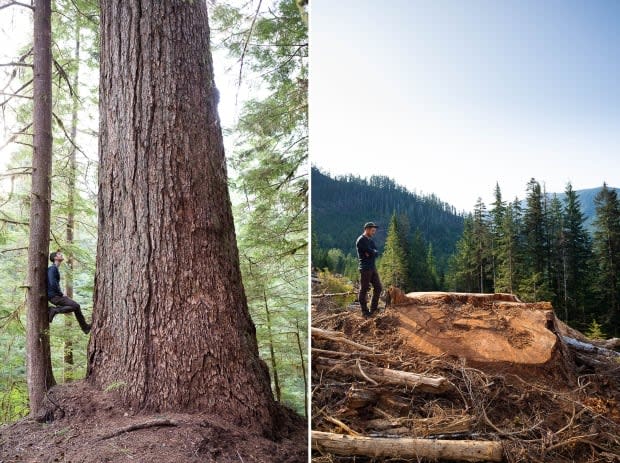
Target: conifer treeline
<point>541,250</point>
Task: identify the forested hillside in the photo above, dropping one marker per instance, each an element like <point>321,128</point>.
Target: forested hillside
<point>341,206</point>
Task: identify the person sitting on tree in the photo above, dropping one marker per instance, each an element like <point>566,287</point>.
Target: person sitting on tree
<point>366,254</point>
<point>63,303</point>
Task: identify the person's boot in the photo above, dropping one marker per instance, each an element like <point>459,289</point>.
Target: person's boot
<point>82,321</point>
<point>365,312</point>
<point>51,313</point>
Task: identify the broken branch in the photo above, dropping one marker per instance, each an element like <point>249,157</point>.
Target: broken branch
<point>338,337</point>
<point>387,376</point>
<point>135,427</point>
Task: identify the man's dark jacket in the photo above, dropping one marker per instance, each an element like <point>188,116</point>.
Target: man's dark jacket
<point>366,252</point>
<point>53,282</point>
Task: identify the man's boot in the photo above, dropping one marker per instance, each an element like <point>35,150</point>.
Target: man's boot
<point>51,313</point>
<point>365,312</point>
<point>82,321</point>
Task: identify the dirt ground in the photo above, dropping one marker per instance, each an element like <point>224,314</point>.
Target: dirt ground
<point>91,417</point>
<point>552,405</point>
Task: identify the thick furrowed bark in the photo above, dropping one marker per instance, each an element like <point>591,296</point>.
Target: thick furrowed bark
<point>171,324</point>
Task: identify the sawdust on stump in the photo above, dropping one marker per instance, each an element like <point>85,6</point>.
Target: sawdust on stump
<point>483,328</point>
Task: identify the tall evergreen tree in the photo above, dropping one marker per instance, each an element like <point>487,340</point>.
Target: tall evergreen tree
<point>464,265</point>
<point>508,249</point>
<point>420,274</point>
<point>556,242</point>
<point>576,257</point>
<point>393,265</point>
<point>536,284</point>
<point>496,214</point>
<point>607,257</point>
<point>482,251</point>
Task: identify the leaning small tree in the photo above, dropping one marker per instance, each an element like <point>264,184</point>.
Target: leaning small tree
<point>171,324</point>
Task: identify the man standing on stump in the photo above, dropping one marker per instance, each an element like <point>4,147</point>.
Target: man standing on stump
<point>367,253</point>
<point>63,303</point>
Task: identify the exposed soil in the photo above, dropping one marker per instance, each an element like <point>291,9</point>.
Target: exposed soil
<point>515,380</point>
<point>85,424</point>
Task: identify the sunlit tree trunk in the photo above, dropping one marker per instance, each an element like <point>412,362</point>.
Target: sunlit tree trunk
<point>171,323</point>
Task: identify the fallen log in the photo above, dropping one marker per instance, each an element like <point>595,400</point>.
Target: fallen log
<point>612,343</point>
<point>336,336</point>
<point>435,384</point>
<point>590,348</point>
<point>462,450</point>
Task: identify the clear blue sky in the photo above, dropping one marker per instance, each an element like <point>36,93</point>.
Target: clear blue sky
<point>451,96</point>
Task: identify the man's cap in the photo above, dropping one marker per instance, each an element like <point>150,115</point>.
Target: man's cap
<point>370,225</point>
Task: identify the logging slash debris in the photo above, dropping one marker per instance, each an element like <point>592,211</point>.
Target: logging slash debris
<point>460,377</point>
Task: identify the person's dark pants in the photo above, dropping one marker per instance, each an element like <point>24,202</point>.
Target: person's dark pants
<point>367,278</point>
<point>65,304</point>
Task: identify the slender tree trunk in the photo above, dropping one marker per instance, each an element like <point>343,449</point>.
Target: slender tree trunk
<point>274,364</point>
<point>39,365</point>
<point>71,203</point>
<point>171,322</point>
<point>303,367</point>
<point>510,266</point>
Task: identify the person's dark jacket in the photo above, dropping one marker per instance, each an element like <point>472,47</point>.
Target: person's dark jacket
<point>366,252</point>
<point>53,282</point>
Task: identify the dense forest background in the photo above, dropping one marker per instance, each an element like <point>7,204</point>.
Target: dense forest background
<point>266,50</point>
<point>560,247</point>
<point>341,206</point>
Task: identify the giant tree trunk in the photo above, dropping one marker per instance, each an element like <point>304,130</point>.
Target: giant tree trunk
<point>39,365</point>
<point>171,323</point>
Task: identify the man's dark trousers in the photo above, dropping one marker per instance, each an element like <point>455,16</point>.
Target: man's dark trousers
<point>65,304</point>
<point>368,277</point>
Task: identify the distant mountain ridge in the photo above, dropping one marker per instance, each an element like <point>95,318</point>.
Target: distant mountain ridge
<point>586,199</point>
<point>341,206</point>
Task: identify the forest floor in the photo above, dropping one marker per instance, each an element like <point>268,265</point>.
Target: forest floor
<point>507,375</point>
<point>96,428</point>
